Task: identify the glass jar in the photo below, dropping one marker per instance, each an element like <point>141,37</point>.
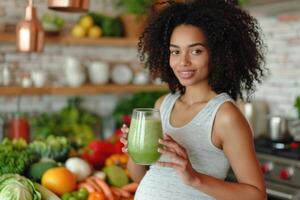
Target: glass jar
<point>18,127</point>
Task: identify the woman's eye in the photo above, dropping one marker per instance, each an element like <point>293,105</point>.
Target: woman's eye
<point>196,51</point>
<point>174,52</point>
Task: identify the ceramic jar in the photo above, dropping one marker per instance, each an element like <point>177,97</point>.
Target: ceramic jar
<point>98,72</point>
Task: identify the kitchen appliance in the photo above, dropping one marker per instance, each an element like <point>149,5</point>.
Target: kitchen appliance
<point>256,112</point>
<point>29,31</point>
<point>69,5</point>
<point>280,164</point>
<point>278,128</point>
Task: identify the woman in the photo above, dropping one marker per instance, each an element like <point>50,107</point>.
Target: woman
<point>209,52</point>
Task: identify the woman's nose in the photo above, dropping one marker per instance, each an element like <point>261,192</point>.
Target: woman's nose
<point>184,59</point>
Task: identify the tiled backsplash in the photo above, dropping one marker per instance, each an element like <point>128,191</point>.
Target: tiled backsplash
<point>279,89</point>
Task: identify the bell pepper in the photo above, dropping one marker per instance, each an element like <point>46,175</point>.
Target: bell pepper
<point>97,151</point>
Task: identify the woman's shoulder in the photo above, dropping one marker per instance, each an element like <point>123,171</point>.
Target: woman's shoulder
<point>161,99</point>
<point>229,117</point>
<point>229,113</point>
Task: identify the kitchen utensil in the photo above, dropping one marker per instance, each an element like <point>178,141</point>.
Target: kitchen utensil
<point>278,128</point>
<point>98,72</point>
<point>29,31</point>
<point>121,74</point>
<point>39,78</point>
<point>69,5</point>
<point>294,129</point>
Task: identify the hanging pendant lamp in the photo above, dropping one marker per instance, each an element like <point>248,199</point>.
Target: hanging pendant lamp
<point>69,5</point>
<point>29,31</point>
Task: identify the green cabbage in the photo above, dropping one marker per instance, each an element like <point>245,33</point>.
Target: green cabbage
<point>16,187</point>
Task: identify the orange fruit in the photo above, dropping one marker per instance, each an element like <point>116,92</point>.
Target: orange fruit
<point>97,196</point>
<point>59,180</point>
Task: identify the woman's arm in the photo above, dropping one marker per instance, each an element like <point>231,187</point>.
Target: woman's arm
<point>233,134</point>
<point>136,172</point>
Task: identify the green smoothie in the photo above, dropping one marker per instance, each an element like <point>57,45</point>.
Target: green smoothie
<point>143,140</point>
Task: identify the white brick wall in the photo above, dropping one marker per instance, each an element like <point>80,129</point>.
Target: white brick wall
<point>283,61</point>
<point>282,36</point>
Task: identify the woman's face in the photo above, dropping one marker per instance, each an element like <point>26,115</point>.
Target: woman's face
<point>189,56</point>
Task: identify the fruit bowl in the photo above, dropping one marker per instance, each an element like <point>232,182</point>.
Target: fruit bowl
<point>52,24</point>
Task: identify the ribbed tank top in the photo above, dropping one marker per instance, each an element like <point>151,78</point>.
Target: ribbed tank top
<point>163,183</point>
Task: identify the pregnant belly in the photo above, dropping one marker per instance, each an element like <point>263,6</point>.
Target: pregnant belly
<point>164,184</point>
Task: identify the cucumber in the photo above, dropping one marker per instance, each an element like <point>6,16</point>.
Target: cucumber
<point>37,170</point>
<point>46,194</point>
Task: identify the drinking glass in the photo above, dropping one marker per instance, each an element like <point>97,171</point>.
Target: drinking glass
<point>144,132</point>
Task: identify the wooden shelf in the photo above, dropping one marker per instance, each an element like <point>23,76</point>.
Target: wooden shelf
<point>69,40</point>
<point>87,89</point>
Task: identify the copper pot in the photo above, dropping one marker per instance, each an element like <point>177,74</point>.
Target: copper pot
<point>69,5</point>
<point>29,32</point>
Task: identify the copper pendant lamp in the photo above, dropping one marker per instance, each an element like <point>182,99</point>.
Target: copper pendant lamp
<point>69,5</point>
<point>29,31</point>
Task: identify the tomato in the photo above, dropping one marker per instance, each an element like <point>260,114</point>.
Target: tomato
<point>59,179</point>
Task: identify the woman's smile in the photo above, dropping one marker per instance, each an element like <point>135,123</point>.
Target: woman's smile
<point>186,74</point>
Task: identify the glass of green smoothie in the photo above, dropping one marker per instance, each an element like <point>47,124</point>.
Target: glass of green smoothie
<point>144,132</point>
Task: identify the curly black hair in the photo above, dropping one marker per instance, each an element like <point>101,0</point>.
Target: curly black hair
<point>233,39</point>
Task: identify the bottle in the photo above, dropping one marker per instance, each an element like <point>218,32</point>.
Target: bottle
<point>6,76</point>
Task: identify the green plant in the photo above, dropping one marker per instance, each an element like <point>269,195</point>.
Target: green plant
<point>138,100</point>
<point>297,105</point>
<point>137,7</point>
<point>242,2</point>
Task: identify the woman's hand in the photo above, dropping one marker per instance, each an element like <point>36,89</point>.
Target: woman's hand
<point>123,138</point>
<point>179,159</point>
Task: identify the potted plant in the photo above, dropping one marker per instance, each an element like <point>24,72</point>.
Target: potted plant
<point>134,14</point>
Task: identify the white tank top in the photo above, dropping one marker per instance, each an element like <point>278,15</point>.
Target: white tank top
<point>163,183</point>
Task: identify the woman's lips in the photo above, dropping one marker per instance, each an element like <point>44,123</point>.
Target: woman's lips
<point>186,74</point>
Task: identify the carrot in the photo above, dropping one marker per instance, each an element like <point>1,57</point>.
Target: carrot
<point>131,187</point>
<point>122,192</point>
<point>116,192</point>
<point>107,191</point>
<point>95,185</point>
<point>87,186</point>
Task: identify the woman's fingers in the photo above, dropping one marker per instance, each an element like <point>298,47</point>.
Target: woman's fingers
<point>124,149</point>
<point>174,157</point>
<point>124,141</point>
<point>174,147</point>
<point>123,138</point>
<point>125,129</point>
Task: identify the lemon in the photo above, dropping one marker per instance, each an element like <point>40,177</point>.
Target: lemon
<point>95,32</point>
<point>86,22</point>
<point>78,31</point>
